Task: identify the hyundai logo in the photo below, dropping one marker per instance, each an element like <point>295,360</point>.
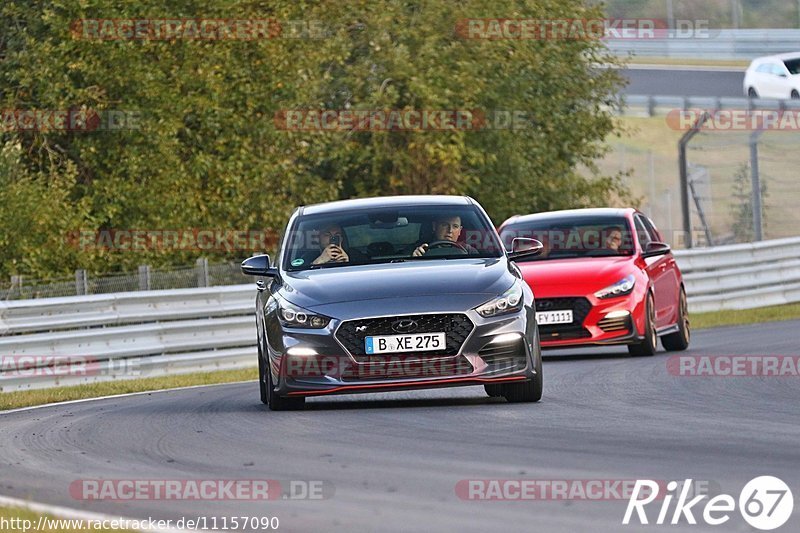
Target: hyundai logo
<point>405,325</point>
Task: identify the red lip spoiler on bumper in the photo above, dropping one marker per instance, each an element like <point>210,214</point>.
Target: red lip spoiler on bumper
<point>476,381</point>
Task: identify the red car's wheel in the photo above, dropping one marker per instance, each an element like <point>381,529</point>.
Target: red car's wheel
<point>649,344</point>
<point>678,341</point>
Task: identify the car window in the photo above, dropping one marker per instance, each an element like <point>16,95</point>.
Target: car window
<point>793,65</point>
<point>378,235</point>
<point>651,229</point>
<point>764,68</point>
<point>573,236</point>
<point>777,70</point>
<point>641,232</point>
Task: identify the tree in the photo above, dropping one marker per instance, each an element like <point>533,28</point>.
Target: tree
<point>206,152</point>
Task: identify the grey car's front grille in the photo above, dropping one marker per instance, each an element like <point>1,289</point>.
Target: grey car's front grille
<point>456,326</point>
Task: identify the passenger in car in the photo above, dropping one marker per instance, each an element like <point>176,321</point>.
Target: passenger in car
<point>332,245</point>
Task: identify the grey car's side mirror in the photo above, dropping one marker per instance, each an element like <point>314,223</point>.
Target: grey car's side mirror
<point>523,247</point>
<point>258,265</point>
<point>654,248</point>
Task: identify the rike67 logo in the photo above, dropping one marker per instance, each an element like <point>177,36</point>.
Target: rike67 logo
<point>765,503</point>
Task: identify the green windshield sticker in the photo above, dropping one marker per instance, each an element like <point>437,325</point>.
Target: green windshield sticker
<point>297,262</point>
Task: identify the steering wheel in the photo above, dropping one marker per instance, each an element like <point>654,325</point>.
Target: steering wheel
<point>442,244</point>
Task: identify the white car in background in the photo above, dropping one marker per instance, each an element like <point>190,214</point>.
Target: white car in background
<point>774,77</point>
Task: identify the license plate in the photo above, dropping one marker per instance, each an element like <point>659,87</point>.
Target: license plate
<point>421,342</point>
<point>554,317</point>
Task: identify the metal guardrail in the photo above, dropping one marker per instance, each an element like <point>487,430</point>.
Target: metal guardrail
<point>741,276</point>
<point>652,105</point>
<point>153,333</point>
<point>83,339</point>
<point>714,44</point>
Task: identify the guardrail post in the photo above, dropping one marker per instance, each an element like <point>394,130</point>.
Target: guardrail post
<point>684,173</point>
<point>16,284</point>
<point>755,180</point>
<point>81,283</point>
<point>651,106</point>
<point>202,272</point>
<point>144,277</point>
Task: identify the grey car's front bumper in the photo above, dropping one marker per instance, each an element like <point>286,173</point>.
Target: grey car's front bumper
<point>497,350</point>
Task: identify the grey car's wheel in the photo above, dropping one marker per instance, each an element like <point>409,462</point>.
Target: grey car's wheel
<point>281,403</point>
<point>751,92</point>
<point>678,341</point>
<point>262,377</point>
<point>493,390</point>
<point>649,343</point>
<point>527,391</point>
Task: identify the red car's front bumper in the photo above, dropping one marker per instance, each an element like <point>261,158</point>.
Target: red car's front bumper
<point>617,320</point>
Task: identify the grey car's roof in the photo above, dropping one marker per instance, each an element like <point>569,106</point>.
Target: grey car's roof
<point>576,213</point>
<point>384,201</point>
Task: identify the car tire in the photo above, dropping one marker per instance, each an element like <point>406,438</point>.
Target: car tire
<point>751,93</point>
<point>649,343</point>
<point>679,341</point>
<point>281,403</point>
<point>262,377</point>
<point>527,391</point>
<point>795,95</point>
<point>267,389</point>
<point>493,390</point>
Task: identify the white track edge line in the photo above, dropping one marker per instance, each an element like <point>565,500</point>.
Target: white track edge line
<point>77,514</point>
<point>123,395</point>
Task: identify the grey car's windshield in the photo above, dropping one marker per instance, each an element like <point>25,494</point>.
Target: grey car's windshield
<point>385,235</point>
<point>573,237</point>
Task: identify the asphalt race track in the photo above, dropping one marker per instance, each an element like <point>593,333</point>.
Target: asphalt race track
<point>392,461</point>
<point>671,81</point>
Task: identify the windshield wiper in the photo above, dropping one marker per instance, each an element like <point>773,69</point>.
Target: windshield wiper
<point>327,265</point>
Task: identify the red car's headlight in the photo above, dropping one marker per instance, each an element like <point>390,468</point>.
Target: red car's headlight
<point>620,288</point>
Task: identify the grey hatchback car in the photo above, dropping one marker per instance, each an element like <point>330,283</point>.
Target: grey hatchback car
<point>394,293</point>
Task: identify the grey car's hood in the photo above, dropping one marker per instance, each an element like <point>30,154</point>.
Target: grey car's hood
<point>481,278</point>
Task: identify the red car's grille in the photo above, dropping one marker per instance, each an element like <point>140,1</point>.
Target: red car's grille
<point>580,309</point>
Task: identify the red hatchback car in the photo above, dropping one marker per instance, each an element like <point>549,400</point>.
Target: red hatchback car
<point>605,276</point>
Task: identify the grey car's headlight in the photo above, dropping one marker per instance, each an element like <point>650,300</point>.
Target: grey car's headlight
<point>508,302</point>
<point>292,316</point>
<point>620,288</point>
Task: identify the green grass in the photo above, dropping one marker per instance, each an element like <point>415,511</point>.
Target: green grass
<point>745,316</point>
<point>13,400</point>
<point>648,148</point>
<point>13,513</point>
<point>668,61</point>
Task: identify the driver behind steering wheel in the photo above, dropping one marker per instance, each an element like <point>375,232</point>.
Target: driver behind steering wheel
<point>445,229</point>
